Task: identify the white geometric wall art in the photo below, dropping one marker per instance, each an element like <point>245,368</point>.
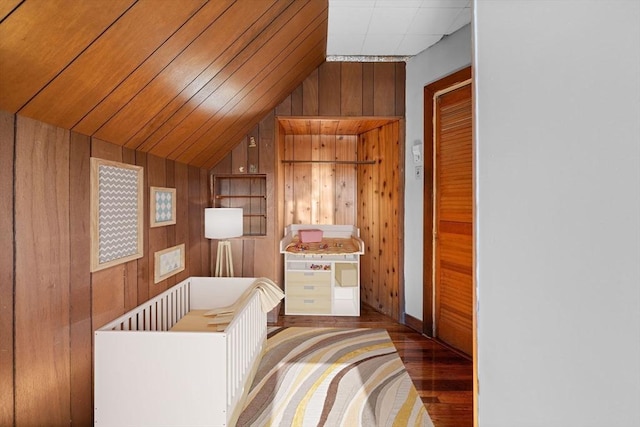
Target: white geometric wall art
<point>116,213</point>
<point>168,262</point>
<point>162,206</point>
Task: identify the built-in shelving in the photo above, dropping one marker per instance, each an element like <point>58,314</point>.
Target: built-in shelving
<point>247,191</point>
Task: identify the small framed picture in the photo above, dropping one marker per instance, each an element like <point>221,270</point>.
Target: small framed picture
<point>162,206</point>
<point>168,262</point>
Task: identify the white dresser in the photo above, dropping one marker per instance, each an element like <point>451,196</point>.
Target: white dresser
<point>325,280</point>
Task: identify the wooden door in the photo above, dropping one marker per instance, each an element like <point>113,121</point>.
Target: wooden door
<point>453,219</point>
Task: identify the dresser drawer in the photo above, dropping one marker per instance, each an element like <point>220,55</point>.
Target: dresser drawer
<point>311,305</point>
<point>309,277</point>
<point>308,290</point>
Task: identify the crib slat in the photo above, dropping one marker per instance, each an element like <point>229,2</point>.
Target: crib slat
<point>244,336</point>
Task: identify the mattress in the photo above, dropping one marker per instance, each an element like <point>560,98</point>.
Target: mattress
<point>328,246</point>
<point>196,321</point>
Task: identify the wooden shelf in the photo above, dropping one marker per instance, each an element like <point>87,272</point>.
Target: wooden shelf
<point>246,191</point>
<point>334,162</point>
<point>239,196</point>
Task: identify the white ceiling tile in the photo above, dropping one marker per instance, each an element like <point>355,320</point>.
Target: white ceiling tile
<point>446,3</point>
<point>433,21</point>
<point>399,3</point>
<point>392,27</point>
<point>345,44</point>
<point>382,44</point>
<point>414,44</point>
<point>352,3</point>
<point>463,19</point>
<point>349,20</point>
<point>391,20</point>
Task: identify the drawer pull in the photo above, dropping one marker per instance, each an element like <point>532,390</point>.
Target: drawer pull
<point>309,301</point>
<point>306,273</point>
<point>309,288</point>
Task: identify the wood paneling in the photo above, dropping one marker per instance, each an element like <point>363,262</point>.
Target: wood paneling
<point>379,207</point>
<point>126,44</point>
<point>384,95</point>
<point>58,302</point>
<point>35,49</point>
<point>310,100</point>
<point>332,125</point>
<point>328,85</point>
<point>345,186</point>
<point>329,193</point>
<point>182,227</point>
<point>6,267</point>
<point>80,281</point>
<point>175,49</point>
<point>156,174</point>
<point>179,80</point>
<point>143,266</point>
<point>268,85</point>
<point>364,194</point>
<point>7,6</point>
<point>42,303</point>
<point>351,94</point>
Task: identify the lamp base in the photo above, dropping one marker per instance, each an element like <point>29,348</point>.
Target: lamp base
<point>224,259</point>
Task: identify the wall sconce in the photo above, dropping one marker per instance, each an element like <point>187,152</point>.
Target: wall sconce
<point>252,142</point>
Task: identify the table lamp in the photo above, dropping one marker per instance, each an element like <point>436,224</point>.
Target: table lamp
<point>223,224</point>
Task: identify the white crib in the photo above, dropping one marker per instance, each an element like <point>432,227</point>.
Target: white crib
<point>147,375</point>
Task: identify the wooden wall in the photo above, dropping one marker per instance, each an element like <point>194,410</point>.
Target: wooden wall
<point>380,202</point>
<point>320,193</point>
<point>255,256</point>
<point>349,89</point>
<point>50,302</point>
<point>331,194</point>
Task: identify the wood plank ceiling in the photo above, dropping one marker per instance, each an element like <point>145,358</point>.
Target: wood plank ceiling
<point>332,125</point>
<point>183,80</point>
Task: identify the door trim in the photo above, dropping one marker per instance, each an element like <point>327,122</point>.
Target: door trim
<point>428,205</point>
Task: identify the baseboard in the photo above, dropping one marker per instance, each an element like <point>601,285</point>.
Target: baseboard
<point>413,323</point>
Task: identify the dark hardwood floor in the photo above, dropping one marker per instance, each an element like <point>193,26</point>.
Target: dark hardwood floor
<point>442,377</point>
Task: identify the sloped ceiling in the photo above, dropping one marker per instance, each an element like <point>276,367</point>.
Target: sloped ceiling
<point>184,80</point>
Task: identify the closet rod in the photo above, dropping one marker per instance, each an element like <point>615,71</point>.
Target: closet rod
<point>335,162</point>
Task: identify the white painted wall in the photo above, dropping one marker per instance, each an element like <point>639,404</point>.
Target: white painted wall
<point>447,56</point>
<point>557,108</point>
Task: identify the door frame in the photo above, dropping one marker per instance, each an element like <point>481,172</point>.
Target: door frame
<point>428,293</point>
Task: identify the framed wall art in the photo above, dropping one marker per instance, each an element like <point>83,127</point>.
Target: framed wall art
<point>116,213</point>
<point>168,262</point>
<point>162,206</point>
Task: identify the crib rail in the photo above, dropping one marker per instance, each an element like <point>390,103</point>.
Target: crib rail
<point>160,313</point>
<point>245,339</point>
<point>219,367</point>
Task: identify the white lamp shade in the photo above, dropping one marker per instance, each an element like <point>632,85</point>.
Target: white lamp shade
<point>222,223</point>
